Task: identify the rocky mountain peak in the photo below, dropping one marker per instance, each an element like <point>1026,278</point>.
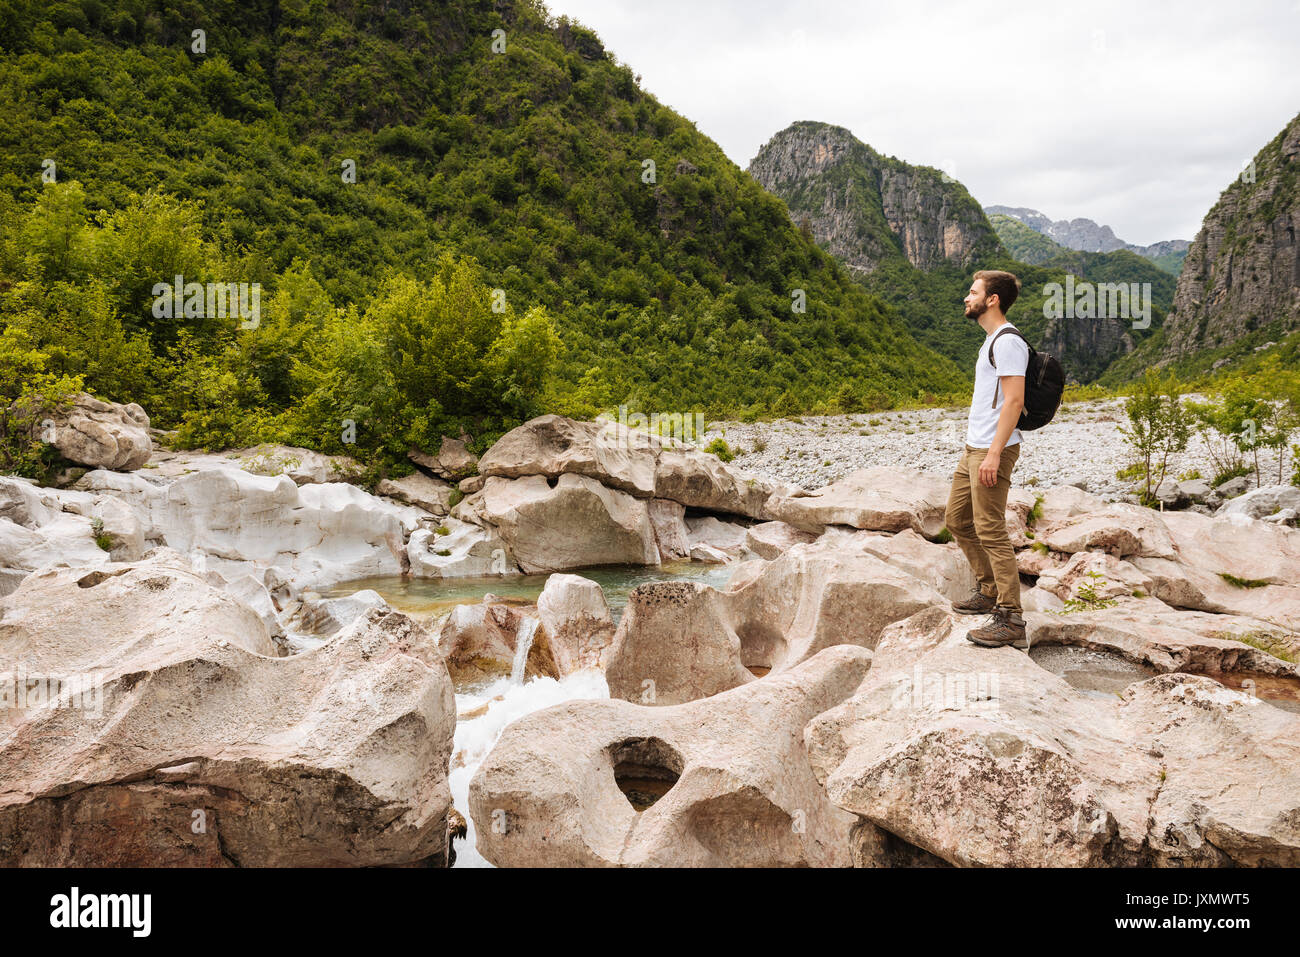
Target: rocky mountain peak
<point>1242,272</point>
<point>868,209</point>
<point>1086,235</point>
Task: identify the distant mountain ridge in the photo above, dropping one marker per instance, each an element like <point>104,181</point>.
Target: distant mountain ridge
<point>914,235</point>
<point>868,209</point>
<point>1085,235</point>
<point>1243,270</point>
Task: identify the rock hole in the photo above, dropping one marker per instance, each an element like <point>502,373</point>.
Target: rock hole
<point>1098,674</point>
<point>762,647</point>
<point>552,481</point>
<point>95,577</point>
<point>645,769</point>
<point>874,846</point>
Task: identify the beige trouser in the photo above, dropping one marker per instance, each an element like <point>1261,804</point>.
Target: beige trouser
<point>977,519</point>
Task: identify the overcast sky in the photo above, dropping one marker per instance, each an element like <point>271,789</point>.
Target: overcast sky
<point>1133,113</point>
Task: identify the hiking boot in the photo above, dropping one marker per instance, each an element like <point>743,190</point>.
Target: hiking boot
<point>977,604</point>
<point>1005,627</point>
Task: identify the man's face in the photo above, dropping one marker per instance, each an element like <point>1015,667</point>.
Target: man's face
<point>976,302</point>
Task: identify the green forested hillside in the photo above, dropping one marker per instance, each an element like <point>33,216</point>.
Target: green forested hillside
<point>1025,244</point>
<point>1171,262</point>
<point>914,236</point>
<point>504,248</point>
<point>1118,266</point>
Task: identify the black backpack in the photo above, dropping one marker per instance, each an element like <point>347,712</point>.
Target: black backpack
<point>1044,383</point>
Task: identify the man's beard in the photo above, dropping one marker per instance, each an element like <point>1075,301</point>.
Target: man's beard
<point>980,309</point>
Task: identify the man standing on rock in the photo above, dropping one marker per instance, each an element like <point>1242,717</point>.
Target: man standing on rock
<point>977,503</point>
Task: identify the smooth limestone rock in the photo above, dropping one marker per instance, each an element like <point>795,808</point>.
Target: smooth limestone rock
<point>552,445</point>
<point>75,619</point>
<point>235,522</point>
<point>704,552</point>
<point>943,567</point>
<point>453,462</point>
<point>1229,564</point>
<point>1099,574</point>
<point>833,591</point>
<point>980,757</point>
<point>632,461</point>
<point>770,539</point>
<point>1149,632</point>
<point>904,641</point>
<point>35,532</point>
<point>466,550</point>
<point>569,522</point>
<point>1034,561</point>
<point>735,786</point>
<point>1235,543</point>
<point>672,537</point>
<point>1062,502</point>
<point>333,757</point>
<point>110,517</point>
<point>432,495</point>
<point>701,480</point>
<point>576,622</point>
<point>674,643</point>
<point>567,494</point>
<point>100,434</point>
<point>145,494</point>
<point>1119,529</point>
<point>318,534</point>
<point>482,641</point>
<point>1039,599</point>
<point>882,499</point>
<point>256,595</point>
<point>303,466</point>
<point>679,641</point>
<point>329,616</point>
<point>1263,502</point>
<point>726,537</point>
<point>23,503</point>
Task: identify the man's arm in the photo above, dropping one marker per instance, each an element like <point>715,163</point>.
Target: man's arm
<point>1013,400</point>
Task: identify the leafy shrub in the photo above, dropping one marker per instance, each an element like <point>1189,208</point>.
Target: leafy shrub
<point>1159,426</point>
<point>1086,597</point>
<point>29,395</point>
<point>1036,512</point>
<point>1243,582</point>
<point>720,448</point>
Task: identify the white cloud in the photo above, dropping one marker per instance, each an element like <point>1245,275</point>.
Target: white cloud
<point>1133,114</point>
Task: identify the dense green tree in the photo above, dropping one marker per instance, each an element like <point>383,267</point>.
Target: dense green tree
<point>371,140</point>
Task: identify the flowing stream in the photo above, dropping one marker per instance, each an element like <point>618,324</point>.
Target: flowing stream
<point>484,711</point>
<point>523,644</point>
<point>428,599</point>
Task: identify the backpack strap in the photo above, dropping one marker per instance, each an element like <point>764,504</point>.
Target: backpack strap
<point>994,362</point>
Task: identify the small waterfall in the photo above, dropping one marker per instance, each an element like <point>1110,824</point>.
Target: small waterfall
<point>523,642</point>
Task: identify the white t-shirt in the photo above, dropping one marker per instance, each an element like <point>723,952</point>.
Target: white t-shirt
<point>1013,359</point>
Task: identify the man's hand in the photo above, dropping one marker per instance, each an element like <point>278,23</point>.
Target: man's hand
<point>989,469</point>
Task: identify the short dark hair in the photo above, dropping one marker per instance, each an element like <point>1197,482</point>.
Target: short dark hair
<point>1002,284</point>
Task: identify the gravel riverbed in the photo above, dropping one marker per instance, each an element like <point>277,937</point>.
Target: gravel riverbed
<point>1081,446</point>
